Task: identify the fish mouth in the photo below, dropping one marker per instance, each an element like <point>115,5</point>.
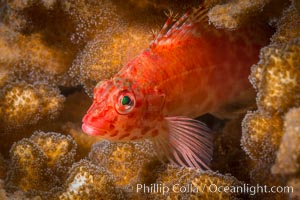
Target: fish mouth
<point>91,130</point>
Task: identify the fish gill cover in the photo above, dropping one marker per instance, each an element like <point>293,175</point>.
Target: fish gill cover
<point>53,53</point>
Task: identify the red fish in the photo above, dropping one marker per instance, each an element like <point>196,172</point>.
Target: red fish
<point>190,69</point>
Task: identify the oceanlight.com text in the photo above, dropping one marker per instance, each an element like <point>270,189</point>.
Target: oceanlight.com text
<point>213,188</point>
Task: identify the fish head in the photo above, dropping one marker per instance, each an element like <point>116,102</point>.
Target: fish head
<point>122,110</point>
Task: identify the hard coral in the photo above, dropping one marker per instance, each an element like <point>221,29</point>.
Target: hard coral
<point>186,183</point>
<point>2,167</point>
<point>261,135</point>
<point>27,167</point>
<point>277,77</point>
<point>128,162</point>
<point>234,13</point>
<point>288,155</point>
<point>60,150</point>
<point>39,163</point>
<point>108,52</point>
<point>277,80</point>
<point>288,25</point>
<point>23,104</point>
<point>91,17</point>
<point>84,141</point>
<point>87,181</point>
<point>32,59</point>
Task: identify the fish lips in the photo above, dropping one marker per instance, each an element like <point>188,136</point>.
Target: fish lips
<point>93,131</point>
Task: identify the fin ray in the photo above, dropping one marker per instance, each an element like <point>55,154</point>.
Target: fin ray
<point>187,143</point>
<point>182,27</point>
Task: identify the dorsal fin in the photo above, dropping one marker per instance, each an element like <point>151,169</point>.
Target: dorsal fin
<point>173,29</point>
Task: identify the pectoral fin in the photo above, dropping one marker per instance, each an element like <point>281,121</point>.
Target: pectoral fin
<point>189,143</point>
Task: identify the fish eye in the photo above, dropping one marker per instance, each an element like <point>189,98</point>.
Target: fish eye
<point>125,102</point>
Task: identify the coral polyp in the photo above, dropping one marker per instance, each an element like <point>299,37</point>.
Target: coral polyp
<point>87,181</point>
<point>23,104</point>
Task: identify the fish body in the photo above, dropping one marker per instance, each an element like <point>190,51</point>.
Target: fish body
<point>190,69</point>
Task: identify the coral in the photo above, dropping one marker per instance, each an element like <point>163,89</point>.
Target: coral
<point>288,25</point>
<point>108,52</point>
<point>91,17</point>
<point>277,77</point>
<point>87,181</point>
<point>128,162</point>
<point>295,184</point>
<point>227,145</point>
<point>269,134</point>
<point>198,185</point>
<point>234,13</point>
<point>2,191</point>
<point>261,135</point>
<point>59,150</point>
<point>84,141</point>
<point>28,163</point>
<point>23,104</point>
<point>2,167</point>
<point>32,59</point>
<point>40,162</point>
<point>285,163</point>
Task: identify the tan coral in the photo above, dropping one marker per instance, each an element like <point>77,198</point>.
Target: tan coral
<point>288,25</point>
<point>2,167</point>
<point>186,183</point>
<point>27,165</point>
<point>23,104</point>
<point>234,13</point>
<point>128,162</point>
<point>87,181</point>
<point>277,77</point>
<point>23,4</point>
<point>105,55</point>
<point>84,141</point>
<point>33,59</point>
<point>261,135</point>
<point>60,150</point>
<point>292,188</point>
<point>40,163</point>
<point>288,155</point>
<point>91,17</point>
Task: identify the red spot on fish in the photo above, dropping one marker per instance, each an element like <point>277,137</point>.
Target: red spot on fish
<point>134,138</point>
<point>123,136</point>
<point>111,126</point>
<point>145,130</point>
<point>154,133</point>
<point>114,134</point>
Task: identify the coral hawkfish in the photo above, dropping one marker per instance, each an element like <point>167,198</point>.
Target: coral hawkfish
<point>190,68</point>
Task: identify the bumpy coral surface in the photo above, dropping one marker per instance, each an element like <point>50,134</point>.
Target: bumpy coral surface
<point>87,181</point>
<point>103,57</point>
<point>128,162</point>
<point>38,163</point>
<point>194,184</point>
<point>270,133</point>
<point>285,163</point>
<point>233,14</point>
<point>2,167</point>
<point>23,104</point>
<point>277,77</point>
<point>261,135</point>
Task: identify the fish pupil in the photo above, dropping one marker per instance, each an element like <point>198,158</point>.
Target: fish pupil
<point>126,100</point>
